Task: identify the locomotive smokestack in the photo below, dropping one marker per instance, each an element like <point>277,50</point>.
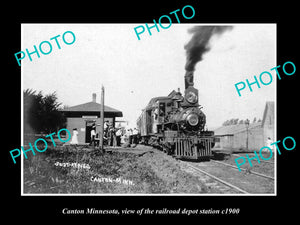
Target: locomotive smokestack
<point>197,46</point>
<point>189,79</point>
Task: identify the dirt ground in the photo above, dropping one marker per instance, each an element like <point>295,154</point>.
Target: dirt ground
<point>170,171</point>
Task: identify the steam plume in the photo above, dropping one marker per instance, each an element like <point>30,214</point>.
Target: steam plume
<point>197,46</point>
<point>199,43</point>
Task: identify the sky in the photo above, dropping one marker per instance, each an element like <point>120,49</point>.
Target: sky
<point>134,71</point>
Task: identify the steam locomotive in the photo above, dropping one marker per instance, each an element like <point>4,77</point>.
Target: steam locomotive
<point>176,124</point>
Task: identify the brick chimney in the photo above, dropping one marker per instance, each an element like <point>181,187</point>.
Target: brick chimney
<point>94,97</point>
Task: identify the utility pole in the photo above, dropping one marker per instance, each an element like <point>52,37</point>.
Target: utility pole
<point>247,122</point>
<point>102,120</point>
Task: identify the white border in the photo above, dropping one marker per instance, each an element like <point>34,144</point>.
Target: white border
<point>206,24</point>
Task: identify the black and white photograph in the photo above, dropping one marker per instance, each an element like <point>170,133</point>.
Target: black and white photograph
<point>150,110</point>
<point>145,110</point>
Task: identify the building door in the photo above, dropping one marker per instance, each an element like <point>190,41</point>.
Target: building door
<point>88,128</point>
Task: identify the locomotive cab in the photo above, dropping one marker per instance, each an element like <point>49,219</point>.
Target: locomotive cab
<point>159,115</point>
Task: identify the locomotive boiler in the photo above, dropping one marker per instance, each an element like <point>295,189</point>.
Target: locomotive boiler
<point>176,124</point>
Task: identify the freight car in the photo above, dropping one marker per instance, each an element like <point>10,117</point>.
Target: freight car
<point>176,124</point>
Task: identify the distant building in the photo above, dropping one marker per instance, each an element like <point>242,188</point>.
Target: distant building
<point>234,137</point>
<point>83,117</point>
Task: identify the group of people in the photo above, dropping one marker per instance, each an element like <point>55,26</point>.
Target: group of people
<point>113,136</point>
<point>131,137</point>
<point>117,136</point>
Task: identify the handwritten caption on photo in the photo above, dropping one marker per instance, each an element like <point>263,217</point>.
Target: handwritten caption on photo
<point>118,180</point>
<point>74,165</point>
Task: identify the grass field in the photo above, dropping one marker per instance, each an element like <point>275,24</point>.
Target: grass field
<point>113,173</point>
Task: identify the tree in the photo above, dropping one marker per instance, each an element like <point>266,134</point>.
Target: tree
<point>32,110</point>
<point>230,122</point>
<point>52,117</point>
<point>241,121</point>
<point>254,120</point>
<point>41,113</point>
<point>247,121</point>
<point>226,123</point>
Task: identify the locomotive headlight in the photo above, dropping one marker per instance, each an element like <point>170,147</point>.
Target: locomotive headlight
<point>193,119</point>
<point>191,97</point>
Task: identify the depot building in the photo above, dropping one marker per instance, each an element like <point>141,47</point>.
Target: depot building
<point>85,115</point>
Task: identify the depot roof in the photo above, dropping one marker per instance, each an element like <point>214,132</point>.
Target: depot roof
<point>92,108</point>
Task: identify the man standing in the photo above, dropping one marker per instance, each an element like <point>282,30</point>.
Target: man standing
<point>114,136</point>
<point>118,136</point>
<point>130,136</point>
<point>155,114</point>
<point>134,136</point>
<point>106,125</point>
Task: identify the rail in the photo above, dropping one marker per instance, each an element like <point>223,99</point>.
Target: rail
<point>262,161</point>
<point>218,179</point>
<point>252,172</point>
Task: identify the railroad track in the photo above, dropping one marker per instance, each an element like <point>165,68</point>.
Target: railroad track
<point>256,173</point>
<point>218,179</point>
<point>245,183</point>
<point>261,160</point>
<point>225,178</point>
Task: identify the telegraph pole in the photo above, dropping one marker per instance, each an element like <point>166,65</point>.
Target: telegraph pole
<point>247,122</point>
<point>102,120</point>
